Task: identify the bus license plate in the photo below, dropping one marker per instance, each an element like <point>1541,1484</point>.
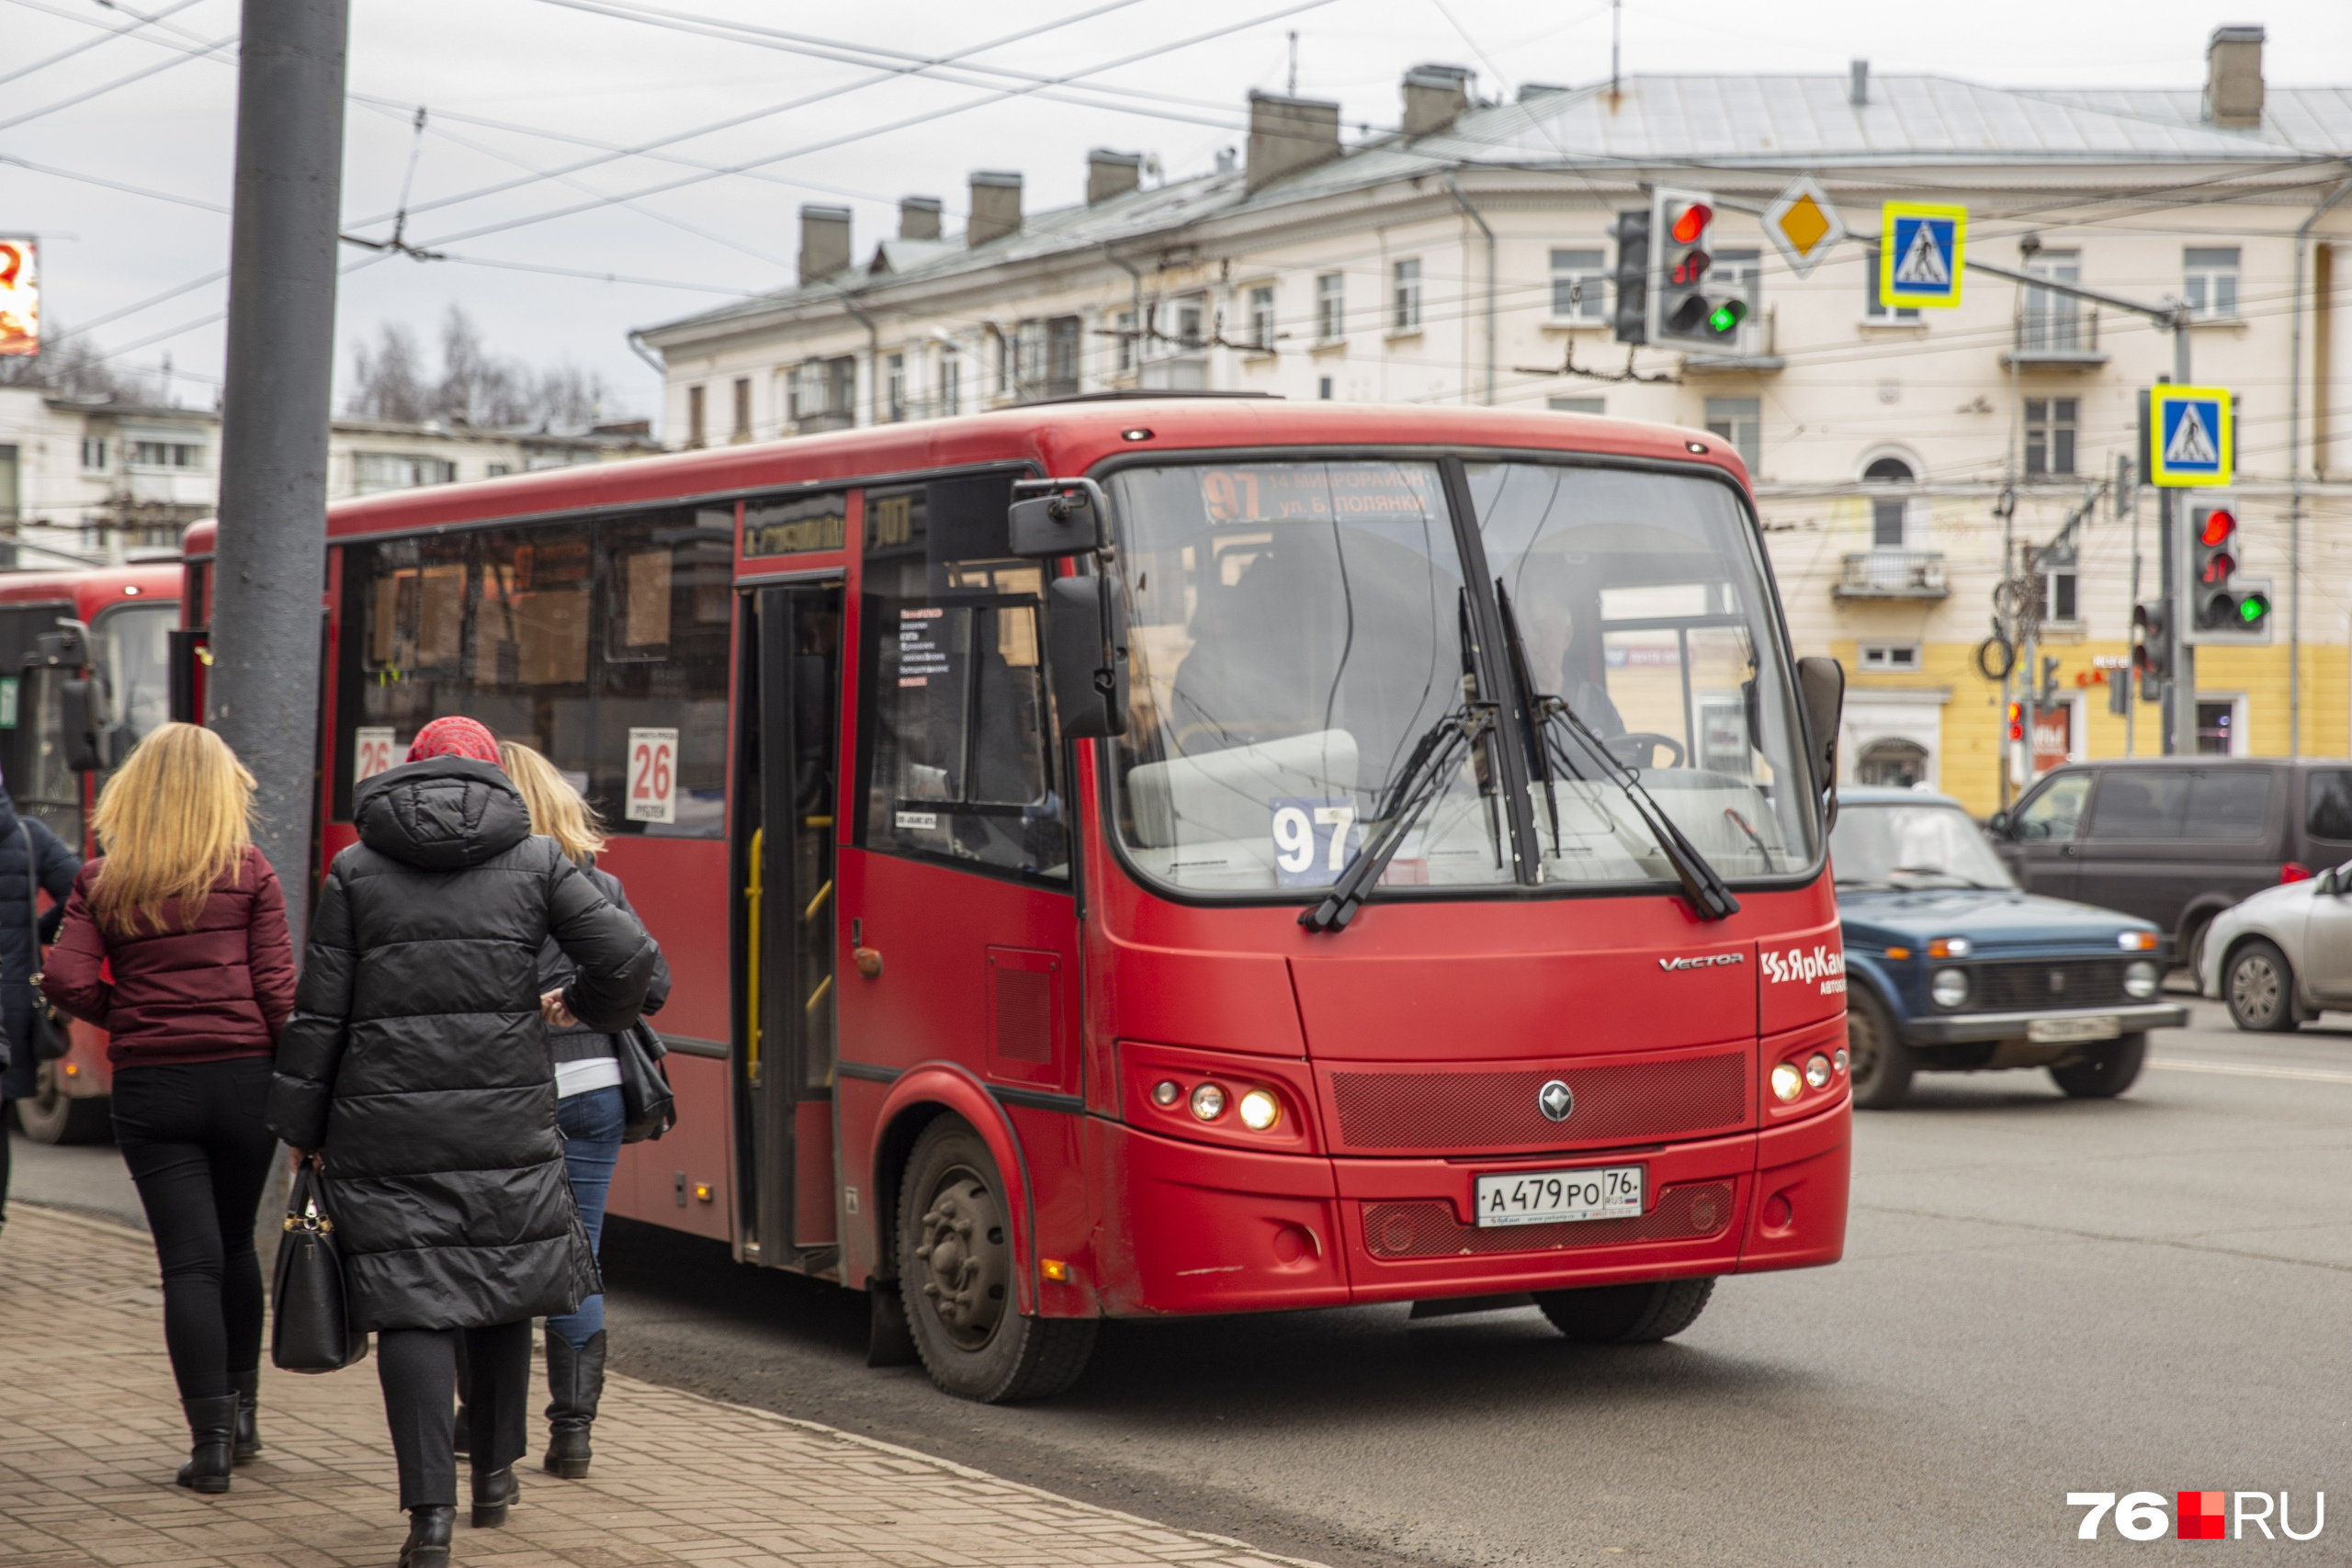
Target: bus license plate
<point>1553,1197</point>
<point>2055,1030</point>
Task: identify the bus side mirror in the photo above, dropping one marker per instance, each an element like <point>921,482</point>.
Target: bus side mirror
<point>77,717</point>
<point>1821,690</point>
<point>1064,519</point>
<point>1085,653</point>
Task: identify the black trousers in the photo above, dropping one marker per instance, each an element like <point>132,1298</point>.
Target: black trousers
<point>195,1143</point>
<point>418,1368</point>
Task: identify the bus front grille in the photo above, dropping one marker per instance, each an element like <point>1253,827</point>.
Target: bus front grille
<point>1430,1229</point>
<point>1631,1102</point>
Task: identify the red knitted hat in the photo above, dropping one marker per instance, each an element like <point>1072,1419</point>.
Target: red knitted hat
<point>455,737</point>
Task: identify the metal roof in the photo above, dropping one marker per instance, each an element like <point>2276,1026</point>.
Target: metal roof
<point>1716,123</point>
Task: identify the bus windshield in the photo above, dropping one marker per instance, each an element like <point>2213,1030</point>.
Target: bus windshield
<point>1299,628</point>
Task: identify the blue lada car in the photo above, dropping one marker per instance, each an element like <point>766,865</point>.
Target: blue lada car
<point>1949,967</point>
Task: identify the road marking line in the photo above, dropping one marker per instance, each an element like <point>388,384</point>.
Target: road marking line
<point>2249,1070</point>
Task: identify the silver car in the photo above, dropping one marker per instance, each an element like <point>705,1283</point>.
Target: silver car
<point>2280,956</point>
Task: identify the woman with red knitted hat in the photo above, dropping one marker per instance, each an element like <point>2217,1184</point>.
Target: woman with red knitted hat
<point>417,1069</point>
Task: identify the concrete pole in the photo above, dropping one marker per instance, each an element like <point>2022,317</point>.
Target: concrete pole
<point>271,568</point>
<point>2181,737</point>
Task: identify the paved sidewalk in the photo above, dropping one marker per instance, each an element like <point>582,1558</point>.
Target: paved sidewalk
<point>91,1435</point>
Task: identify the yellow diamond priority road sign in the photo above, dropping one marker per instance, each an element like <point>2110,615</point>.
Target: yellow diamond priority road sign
<point>1805,224</point>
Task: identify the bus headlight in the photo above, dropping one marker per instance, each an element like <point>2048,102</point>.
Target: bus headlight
<point>1816,1070</point>
<point>1208,1103</point>
<point>1260,1111</point>
<point>1948,988</point>
<point>1787,1082</point>
<point>2141,980</point>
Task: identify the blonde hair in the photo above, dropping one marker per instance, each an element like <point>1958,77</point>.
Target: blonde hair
<point>173,822</point>
<point>555,807</point>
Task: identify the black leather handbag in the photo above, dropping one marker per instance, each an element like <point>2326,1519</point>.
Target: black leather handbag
<point>51,1037</point>
<point>648,1109</point>
<point>311,1318</point>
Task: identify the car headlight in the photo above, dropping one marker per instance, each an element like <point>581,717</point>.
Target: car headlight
<point>1948,988</point>
<point>2140,979</point>
<point>2136,941</point>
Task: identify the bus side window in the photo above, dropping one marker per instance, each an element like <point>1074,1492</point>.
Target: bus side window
<point>956,754</point>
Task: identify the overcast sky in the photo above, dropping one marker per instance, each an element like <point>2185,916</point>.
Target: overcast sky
<point>564,86</point>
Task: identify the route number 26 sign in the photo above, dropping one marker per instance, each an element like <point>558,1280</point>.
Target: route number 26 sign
<point>652,776</point>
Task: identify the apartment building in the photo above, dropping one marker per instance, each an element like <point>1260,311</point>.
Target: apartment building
<point>1905,460</point>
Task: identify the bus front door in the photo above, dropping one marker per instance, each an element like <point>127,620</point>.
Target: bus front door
<point>790,751</point>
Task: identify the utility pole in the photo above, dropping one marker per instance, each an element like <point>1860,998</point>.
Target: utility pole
<point>270,572</point>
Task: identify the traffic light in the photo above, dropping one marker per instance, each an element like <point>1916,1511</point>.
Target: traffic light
<point>2017,721</point>
<point>2223,607</point>
<point>1632,318</point>
<point>1685,308</point>
<point>2150,648</point>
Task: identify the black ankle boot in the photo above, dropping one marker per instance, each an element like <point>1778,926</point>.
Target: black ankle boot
<point>429,1528</point>
<point>211,1426</point>
<point>494,1493</point>
<point>247,1447</point>
<point>575,1384</point>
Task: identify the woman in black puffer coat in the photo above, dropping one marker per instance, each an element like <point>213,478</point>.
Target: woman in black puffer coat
<point>416,1064</point>
<point>30,856</point>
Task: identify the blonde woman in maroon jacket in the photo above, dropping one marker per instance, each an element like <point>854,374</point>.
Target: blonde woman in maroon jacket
<point>190,919</point>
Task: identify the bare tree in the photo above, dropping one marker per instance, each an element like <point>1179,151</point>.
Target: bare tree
<point>71,367</point>
<point>474,386</point>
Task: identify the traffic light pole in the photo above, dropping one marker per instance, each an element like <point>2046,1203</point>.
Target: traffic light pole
<point>2180,716</point>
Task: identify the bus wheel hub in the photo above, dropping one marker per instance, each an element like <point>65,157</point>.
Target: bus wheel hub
<point>963,1253</point>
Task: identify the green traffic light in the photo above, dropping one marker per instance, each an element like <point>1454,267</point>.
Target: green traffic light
<point>1727,316</point>
<point>2253,608</point>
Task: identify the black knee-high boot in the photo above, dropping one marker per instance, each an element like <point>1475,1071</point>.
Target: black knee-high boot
<point>575,1384</point>
<point>247,1447</point>
<point>211,1428</point>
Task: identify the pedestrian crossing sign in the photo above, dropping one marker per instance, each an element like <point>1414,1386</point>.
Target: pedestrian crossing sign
<point>1919,252</point>
<point>2194,443</point>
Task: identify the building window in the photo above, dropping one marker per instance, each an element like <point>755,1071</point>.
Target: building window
<point>1405,296</point>
<point>1892,764</point>
<point>499,471</point>
<point>1330,306</point>
<point>374,472</point>
<point>1736,420</point>
<point>1262,318</point>
<point>1323,389</point>
<point>1579,287</point>
<point>893,387</point>
<point>164,454</point>
<point>2053,320</point>
<point>2211,281</point>
<point>2058,601</point>
<point>1576,405</point>
<point>1008,351</point>
<point>742,431</point>
<point>1124,324</point>
<point>2221,725</point>
<point>1192,323</point>
<point>1892,658</point>
<point>824,393</point>
<point>2049,436</point>
<point>951,382</point>
<point>1889,513</point>
<point>697,432</point>
<point>1873,308</point>
<point>93,454</point>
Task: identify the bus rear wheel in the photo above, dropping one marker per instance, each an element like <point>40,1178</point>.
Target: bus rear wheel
<point>956,1275</point>
<point>52,1116</point>
<point>1626,1315</point>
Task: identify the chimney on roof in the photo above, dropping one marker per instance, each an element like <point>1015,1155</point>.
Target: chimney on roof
<point>1435,97</point>
<point>1857,84</point>
<point>2234,78</point>
<point>824,242</point>
<point>995,207</point>
<point>1287,135</point>
<point>919,218</point>
<point>1110,173</point>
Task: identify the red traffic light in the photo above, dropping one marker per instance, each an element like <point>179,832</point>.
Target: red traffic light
<point>2220,524</point>
<point>1692,223</point>
<point>2017,721</point>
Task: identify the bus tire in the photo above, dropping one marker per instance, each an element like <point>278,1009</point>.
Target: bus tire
<point>1626,1315</point>
<point>2106,1073</point>
<point>956,1277</point>
<point>1881,1063</point>
<point>51,1116</point>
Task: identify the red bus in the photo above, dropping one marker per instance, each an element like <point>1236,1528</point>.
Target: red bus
<point>1138,857</point>
<point>85,670</point>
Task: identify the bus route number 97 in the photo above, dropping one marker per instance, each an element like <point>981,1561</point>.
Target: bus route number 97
<point>652,776</point>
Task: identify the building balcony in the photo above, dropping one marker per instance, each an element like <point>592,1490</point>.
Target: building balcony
<point>1893,574</point>
<point>2056,339</point>
<point>825,419</point>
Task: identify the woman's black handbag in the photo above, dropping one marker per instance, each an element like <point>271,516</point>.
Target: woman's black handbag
<point>647,1107</point>
<point>310,1327</point>
<point>51,1038</point>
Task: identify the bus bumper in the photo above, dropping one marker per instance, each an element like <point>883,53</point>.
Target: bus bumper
<point>1235,1231</point>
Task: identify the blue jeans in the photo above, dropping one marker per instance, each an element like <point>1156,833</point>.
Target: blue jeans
<point>591,1124</point>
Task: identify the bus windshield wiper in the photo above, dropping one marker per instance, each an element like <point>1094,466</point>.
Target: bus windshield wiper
<point>1710,897</point>
<point>1427,770</point>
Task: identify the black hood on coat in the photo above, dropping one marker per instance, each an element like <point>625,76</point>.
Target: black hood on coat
<point>443,814</point>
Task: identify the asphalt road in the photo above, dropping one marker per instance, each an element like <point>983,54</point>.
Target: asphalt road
<point>2039,1296</point>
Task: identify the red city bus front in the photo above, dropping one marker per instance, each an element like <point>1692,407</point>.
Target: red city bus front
<point>1425,901</point>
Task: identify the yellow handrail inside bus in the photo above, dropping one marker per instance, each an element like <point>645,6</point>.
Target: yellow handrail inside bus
<point>817,903</point>
<point>751,895</point>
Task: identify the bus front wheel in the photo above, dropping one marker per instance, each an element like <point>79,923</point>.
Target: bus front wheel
<point>955,1274</point>
<point>52,1116</point>
<point>1626,1315</point>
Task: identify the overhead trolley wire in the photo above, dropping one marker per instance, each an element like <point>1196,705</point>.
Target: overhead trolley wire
<point>137,22</point>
